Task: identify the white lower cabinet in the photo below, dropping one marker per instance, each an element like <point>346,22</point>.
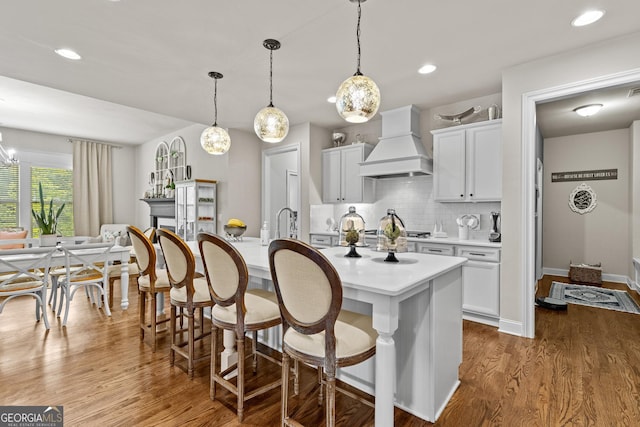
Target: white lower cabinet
<point>480,279</point>
<point>481,284</point>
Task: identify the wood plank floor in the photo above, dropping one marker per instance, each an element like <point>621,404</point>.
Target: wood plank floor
<point>583,368</point>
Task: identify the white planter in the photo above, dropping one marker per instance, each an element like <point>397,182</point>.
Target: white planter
<point>48,239</point>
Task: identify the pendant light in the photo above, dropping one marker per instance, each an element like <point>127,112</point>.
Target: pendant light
<point>214,139</point>
<point>358,97</point>
<point>271,124</point>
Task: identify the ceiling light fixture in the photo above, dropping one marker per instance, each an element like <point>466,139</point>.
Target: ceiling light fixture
<point>271,124</point>
<point>358,97</point>
<point>427,69</point>
<point>214,139</point>
<point>7,157</point>
<point>588,110</point>
<point>587,18</point>
<point>68,53</point>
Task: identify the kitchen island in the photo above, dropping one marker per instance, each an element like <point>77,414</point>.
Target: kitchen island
<point>416,306</point>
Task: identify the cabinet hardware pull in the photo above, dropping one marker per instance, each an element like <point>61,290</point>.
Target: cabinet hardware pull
<point>477,254</point>
<point>435,250</point>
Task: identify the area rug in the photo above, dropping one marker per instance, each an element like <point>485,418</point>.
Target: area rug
<point>594,297</point>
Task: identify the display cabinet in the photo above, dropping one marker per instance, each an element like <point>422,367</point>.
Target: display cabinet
<point>196,203</point>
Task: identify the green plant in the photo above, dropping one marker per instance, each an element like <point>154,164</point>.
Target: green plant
<point>47,221</point>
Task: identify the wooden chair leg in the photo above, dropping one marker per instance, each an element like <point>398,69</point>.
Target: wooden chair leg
<point>142,307</point>
<point>331,399</point>
<point>254,351</point>
<point>214,361</point>
<point>172,324</point>
<point>320,395</point>
<point>285,388</point>
<point>240,382</point>
<point>191,341</point>
<point>296,377</point>
<point>154,321</point>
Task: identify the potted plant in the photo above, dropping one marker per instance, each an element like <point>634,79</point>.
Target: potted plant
<point>47,221</point>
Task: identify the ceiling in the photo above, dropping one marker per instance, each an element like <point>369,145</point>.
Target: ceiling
<point>145,62</point>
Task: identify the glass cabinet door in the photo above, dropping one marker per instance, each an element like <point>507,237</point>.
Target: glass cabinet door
<point>195,208</point>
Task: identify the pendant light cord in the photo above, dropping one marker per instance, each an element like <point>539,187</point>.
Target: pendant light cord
<point>358,73</point>
<point>215,103</point>
<point>270,77</point>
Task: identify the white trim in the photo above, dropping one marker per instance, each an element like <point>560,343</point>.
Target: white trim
<point>527,246</point>
<point>607,277</point>
<point>555,272</point>
<point>266,204</point>
<point>510,327</point>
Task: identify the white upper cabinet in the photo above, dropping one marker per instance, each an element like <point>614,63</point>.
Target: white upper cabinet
<point>467,163</point>
<point>341,180</point>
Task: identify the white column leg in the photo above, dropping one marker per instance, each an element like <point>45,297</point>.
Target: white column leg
<point>385,379</point>
<point>124,284</point>
<point>229,355</point>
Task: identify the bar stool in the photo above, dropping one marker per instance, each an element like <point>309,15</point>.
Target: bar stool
<point>315,329</point>
<point>151,281</point>
<point>188,293</point>
<point>227,275</point>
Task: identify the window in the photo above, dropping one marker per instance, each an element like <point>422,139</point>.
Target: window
<point>57,184</point>
<point>19,190</point>
<point>9,196</point>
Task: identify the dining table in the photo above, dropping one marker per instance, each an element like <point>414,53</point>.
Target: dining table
<point>26,259</point>
<point>416,308</point>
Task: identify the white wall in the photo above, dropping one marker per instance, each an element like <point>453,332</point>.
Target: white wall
<point>602,59</point>
<point>123,159</point>
<point>634,191</point>
<point>603,234</point>
<point>237,173</point>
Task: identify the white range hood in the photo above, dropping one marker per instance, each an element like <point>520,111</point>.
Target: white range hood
<point>400,151</point>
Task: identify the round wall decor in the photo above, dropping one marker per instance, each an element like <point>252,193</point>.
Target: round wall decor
<point>582,199</point>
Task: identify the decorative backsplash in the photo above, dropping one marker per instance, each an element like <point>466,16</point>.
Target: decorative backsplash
<point>412,198</point>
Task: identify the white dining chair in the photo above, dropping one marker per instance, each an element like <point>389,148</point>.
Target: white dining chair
<point>25,273</point>
<point>86,267</point>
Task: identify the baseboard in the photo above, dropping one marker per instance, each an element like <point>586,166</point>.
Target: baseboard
<point>511,327</point>
<point>615,278</point>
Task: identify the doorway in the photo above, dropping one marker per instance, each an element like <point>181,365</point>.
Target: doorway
<point>280,182</point>
<point>529,177</point>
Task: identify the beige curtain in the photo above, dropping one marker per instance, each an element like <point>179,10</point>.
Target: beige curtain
<point>92,187</point>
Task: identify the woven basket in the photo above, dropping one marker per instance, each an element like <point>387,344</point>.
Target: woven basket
<point>585,273</point>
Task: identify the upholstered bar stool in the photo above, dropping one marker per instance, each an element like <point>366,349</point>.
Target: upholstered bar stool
<point>236,309</point>
<point>315,329</point>
<point>187,293</point>
<point>151,282</point>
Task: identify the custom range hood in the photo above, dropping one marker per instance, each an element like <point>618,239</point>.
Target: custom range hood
<point>400,151</point>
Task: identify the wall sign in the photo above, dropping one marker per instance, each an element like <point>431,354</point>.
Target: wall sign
<point>582,199</point>
<point>593,175</point>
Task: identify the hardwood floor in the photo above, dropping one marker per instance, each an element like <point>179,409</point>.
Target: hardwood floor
<point>583,368</point>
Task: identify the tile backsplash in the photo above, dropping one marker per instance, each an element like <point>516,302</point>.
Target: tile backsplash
<point>412,198</point>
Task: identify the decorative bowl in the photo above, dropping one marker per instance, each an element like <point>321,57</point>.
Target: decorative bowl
<point>234,231</point>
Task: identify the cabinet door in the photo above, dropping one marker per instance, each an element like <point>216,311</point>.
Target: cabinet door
<point>481,287</point>
<point>351,188</point>
<point>331,171</point>
<point>484,163</point>
<point>449,166</point>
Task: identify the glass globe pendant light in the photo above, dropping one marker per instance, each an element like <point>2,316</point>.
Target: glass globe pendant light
<point>358,97</point>
<point>271,124</point>
<point>214,139</point>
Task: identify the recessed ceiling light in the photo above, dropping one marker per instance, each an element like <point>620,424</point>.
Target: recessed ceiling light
<point>588,110</point>
<point>587,18</point>
<point>427,69</point>
<point>68,53</point>
<point>331,99</point>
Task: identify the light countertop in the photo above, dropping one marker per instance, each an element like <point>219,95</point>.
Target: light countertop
<point>438,240</point>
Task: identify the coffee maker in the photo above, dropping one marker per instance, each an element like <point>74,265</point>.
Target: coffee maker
<point>495,235</point>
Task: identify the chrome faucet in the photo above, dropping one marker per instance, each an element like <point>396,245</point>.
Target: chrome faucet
<point>293,223</point>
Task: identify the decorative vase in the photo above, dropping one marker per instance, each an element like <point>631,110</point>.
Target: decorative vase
<point>47,240</point>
